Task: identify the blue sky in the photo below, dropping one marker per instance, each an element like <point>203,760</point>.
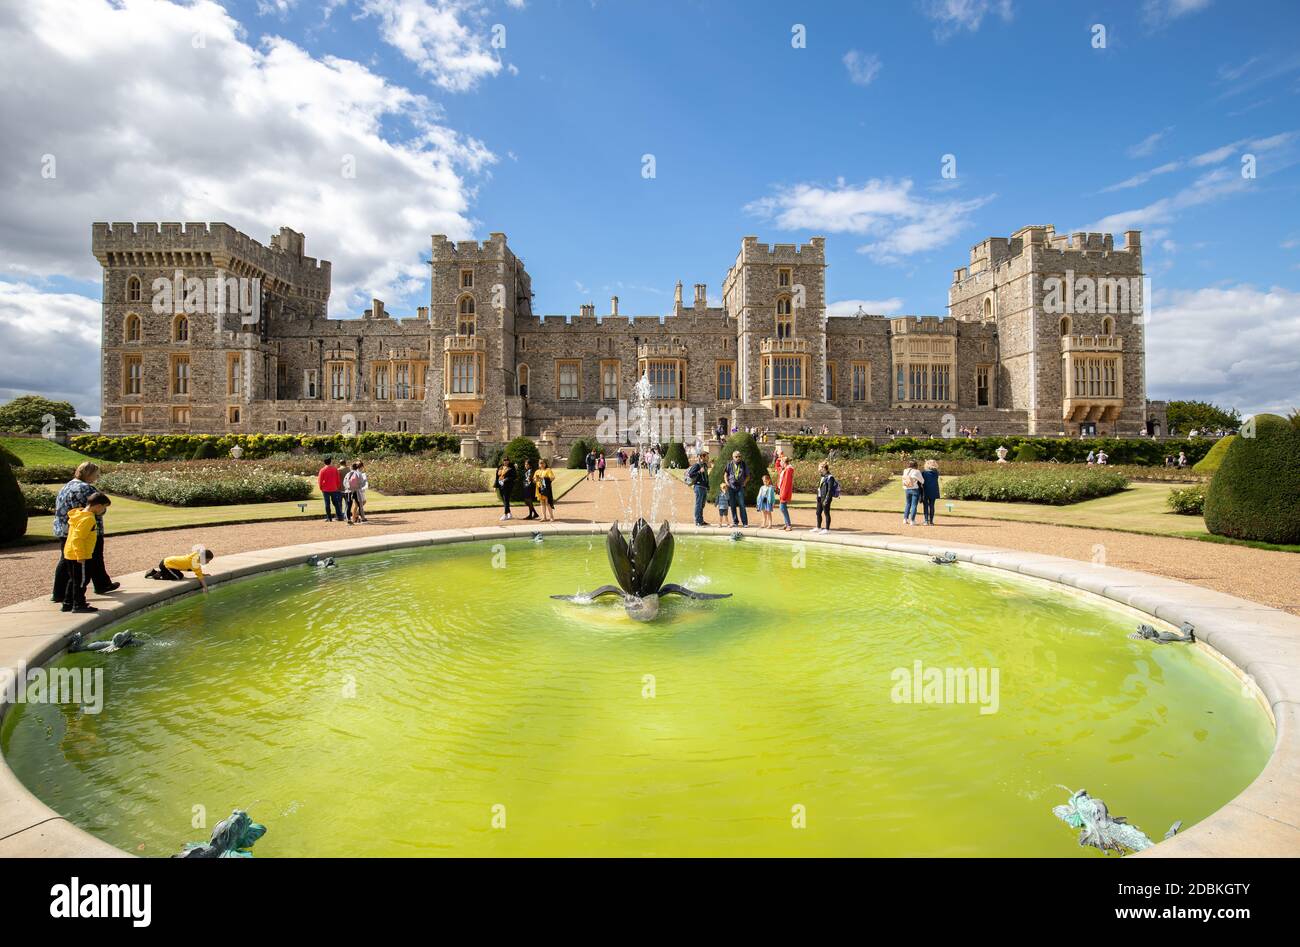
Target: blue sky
<point>544,138</point>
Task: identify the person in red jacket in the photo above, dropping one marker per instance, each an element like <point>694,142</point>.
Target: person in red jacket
<point>331,489</point>
<point>785,490</point>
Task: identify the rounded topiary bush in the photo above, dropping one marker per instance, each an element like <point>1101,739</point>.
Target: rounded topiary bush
<point>1208,464</point>
<point>675,456</point>
<point>1028,453</point>
<point>1255,494</point>
<point>207,450</point>
<point>578,454</point>
<point>753,458</point>
<point>9,457</point>
<point>519,450</point>
<point>13,506</point>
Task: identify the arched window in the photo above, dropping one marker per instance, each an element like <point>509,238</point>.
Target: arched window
<point>784,317</point>
<point>988,307</point>
<point>523,381</point>
<point>133,289</point>
<point>1108,326</point>
<point>465,319</point>
<point>181,329</point>
<point>133,327</point>
<point>1065,325</point>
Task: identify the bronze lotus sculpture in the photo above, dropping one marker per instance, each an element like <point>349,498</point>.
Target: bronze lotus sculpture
<point>640,567</point>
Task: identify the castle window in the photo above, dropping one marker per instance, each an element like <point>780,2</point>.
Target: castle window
<point>234,374</point>
<point>381,382</point>
<point>726,381</point>
<point>181,329</point>
<point>133,327</point>
<point>522,373</point>
<point>340,381</point>
<point>180,375</point>
<point>1065,326</point>
<point>281,379</point>
<point>232,414</point>
<point>310,384</point>
<point>402,381</point>
<point>181,416</point>
<point>132,415</point>
<point>982,386</point>
<point>900,384</point>
<point>133,289</point>
<point>988,307</point>
<point>609,380</point>
<point>132,374</point>
<point>466,279</point>
<point>784,317</point>
<point>464,374</point>
<point>783,377</point>
<point>523,343</point>
<point>861,381</point>
<point>1108,326</point>
<point>568,385</point>
<point>465,317</point>
<point>830,381</point>
<point>784,276</point>
<point>665,379</point>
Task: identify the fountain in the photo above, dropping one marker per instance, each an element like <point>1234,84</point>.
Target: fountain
<point>640,568</point>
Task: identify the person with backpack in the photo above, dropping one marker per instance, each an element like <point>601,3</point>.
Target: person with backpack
<point>697,478</point>
<point>929,490</point>
<point>828,488</point>
<point>735,477</point>
<point>912,482</point>
<point>355,483</point>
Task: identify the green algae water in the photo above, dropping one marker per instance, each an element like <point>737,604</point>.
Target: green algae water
<point>437,702</point>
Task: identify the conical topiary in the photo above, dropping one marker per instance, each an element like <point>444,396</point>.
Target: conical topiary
<point>1255,494</point>
<point>753,458</point>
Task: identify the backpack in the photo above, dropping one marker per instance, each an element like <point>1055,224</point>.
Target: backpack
<point>835,487</point>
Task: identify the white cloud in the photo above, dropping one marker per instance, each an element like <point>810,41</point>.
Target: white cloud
<point>1213,156</point>
<point>862,67</point>
<point>1158,13</point>
<point>953,16</point>
<point>1148,144</point>
<point>900,222</point>
<point>1234,345</point>
<point>875,307</point>
<point>49,344</point>
<point>261,142</point>
<point>1208,187</point>
<point>1142,177</point>
<point>444,38</point>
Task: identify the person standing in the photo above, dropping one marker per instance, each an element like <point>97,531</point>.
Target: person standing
<point>766,500</point>
<point>545,478</point>
<point>929,490</point>
<point>330,488</point>
<point>785,492</point>
<point>600,466</point>
<point>697,475</point>
<point>735,476</point>
<point>911,493</point>
<point>530,488</point>
<point>357,483</point>
<point>828,488</point>
<point>77,550</point>
<point>506,477</point>
<point>73,496</point>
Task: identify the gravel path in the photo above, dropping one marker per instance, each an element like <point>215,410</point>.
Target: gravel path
<point>1272,578</point>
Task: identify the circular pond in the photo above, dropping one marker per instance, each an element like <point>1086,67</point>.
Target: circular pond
<point>436,701</point>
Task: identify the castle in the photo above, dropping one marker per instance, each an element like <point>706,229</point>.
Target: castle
<point>206,330</point>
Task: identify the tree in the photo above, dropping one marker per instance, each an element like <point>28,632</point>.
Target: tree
<point>26,415</point>
<point>1187,416</point>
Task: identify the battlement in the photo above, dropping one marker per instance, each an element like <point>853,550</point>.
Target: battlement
<point>932,325</point>
<point>494,248</point>
<point>813,252</point>
<point>219,243</point>
<point>993,252</point>
<point>710,319</point>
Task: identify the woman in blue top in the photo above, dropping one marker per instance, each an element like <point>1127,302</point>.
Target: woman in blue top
<point>929,489</point>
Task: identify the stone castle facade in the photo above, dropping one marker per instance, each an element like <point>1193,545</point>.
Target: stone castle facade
<point>1044,335</point>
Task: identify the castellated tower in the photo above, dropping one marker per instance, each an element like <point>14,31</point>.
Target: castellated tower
<point>777,297</point>
<point>1069,318</point>
<point>189,314</point>
<point>476,293</point>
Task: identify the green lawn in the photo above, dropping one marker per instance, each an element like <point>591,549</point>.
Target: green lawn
<point>136,516</point>
<point>37,450</point>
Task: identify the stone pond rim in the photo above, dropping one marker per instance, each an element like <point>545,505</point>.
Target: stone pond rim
<point>1261,645</point>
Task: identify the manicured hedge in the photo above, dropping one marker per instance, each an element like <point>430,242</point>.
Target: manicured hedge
<point>1035,485</point>
<point>205,484</point>
<point>1208,464</point>
<point>1189,501</point>
<point>1121,450</point>
<point>1256,492</point>
<point>578,453</point>
<point>158,447</point>
<point>13,507</point>
<point>37,500</point>
<point>675,456</point>
<point>47,473</point>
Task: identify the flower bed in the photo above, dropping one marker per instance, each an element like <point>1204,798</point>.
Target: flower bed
<point>204,483</point>
<point>425,476</point>
<point>1022,483</point>
<point>856,477</point>
<point>1189,501</point>
<point>37,500</point>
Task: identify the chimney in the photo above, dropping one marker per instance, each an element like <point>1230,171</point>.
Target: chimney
<point>587,310</point>
<point>613,305</point>
<point>1132,239</point>
<point>677,296</point>
<point>701,295</point>
<point>377,307</point>
<point>422,312</point>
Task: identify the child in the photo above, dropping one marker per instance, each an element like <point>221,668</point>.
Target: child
<point>78,549</point>
<point>766,496</point>
<point>173,568</point>
<point>723,509</point>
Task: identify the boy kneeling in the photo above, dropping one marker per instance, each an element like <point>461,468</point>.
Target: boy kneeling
<point>78,549</point>
<point>173,568</point>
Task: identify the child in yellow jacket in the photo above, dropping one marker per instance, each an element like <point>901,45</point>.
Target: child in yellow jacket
<point>173,568</point>
<point>78,549</point>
